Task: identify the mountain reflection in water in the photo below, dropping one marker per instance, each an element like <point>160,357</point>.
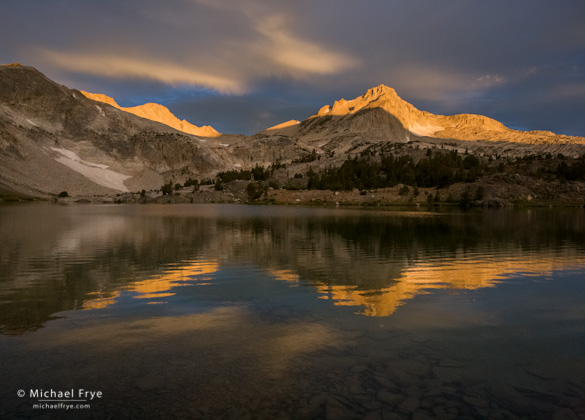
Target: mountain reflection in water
<point>462,273</point>
<point>61,258</point>
<point>158,286</point>
<point>222,312</point>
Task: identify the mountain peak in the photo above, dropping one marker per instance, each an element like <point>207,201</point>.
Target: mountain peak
<point>403,120</point>
<point>386,97</point>
<point>380,90</point>
<point>380,96</point>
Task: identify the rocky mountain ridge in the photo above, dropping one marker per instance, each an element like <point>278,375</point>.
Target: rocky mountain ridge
<point>404,122</point>
<point>158,113</point>
<point>55,139</point>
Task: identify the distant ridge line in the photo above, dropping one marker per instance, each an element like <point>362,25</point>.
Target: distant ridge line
<point>158,113</point>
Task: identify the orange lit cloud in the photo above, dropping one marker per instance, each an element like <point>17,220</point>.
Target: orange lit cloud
<point>118,66</point>
<point>270,45</point>
<point>297,55</point>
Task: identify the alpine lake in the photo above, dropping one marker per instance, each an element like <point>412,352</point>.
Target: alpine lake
<point>285,312</point>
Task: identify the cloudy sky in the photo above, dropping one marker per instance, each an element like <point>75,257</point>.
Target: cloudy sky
<point>244,65</point>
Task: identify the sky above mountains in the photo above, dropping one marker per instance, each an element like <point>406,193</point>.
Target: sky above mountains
<point>244,65</point>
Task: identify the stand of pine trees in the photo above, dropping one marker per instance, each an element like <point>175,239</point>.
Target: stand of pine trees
<point>439,169</point>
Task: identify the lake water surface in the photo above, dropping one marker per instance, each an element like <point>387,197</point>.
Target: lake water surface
<point>252,312</point>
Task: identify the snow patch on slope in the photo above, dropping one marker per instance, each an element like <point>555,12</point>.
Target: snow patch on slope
<point>424,130</point>
<point>93,171</point>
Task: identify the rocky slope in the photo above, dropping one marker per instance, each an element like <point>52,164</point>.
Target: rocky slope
<point>158,113</point>
<point>54,139</point>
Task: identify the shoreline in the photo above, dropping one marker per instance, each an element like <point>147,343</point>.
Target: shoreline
<point>457,195</point>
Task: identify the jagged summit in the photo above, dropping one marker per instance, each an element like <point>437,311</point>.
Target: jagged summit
<point>380,91</point>
<point>158,113</point>
<point>379,96</point>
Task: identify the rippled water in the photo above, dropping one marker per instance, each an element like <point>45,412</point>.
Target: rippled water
<point>244,312</point>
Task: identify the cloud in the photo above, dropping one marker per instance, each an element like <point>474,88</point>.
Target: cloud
<point>488,81</point>
<point>295,54</point>
<point>115,66</point>
<point>271,43</point>
<point>199,43</point>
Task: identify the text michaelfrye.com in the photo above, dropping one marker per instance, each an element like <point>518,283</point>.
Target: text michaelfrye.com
<point>70,399</point>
